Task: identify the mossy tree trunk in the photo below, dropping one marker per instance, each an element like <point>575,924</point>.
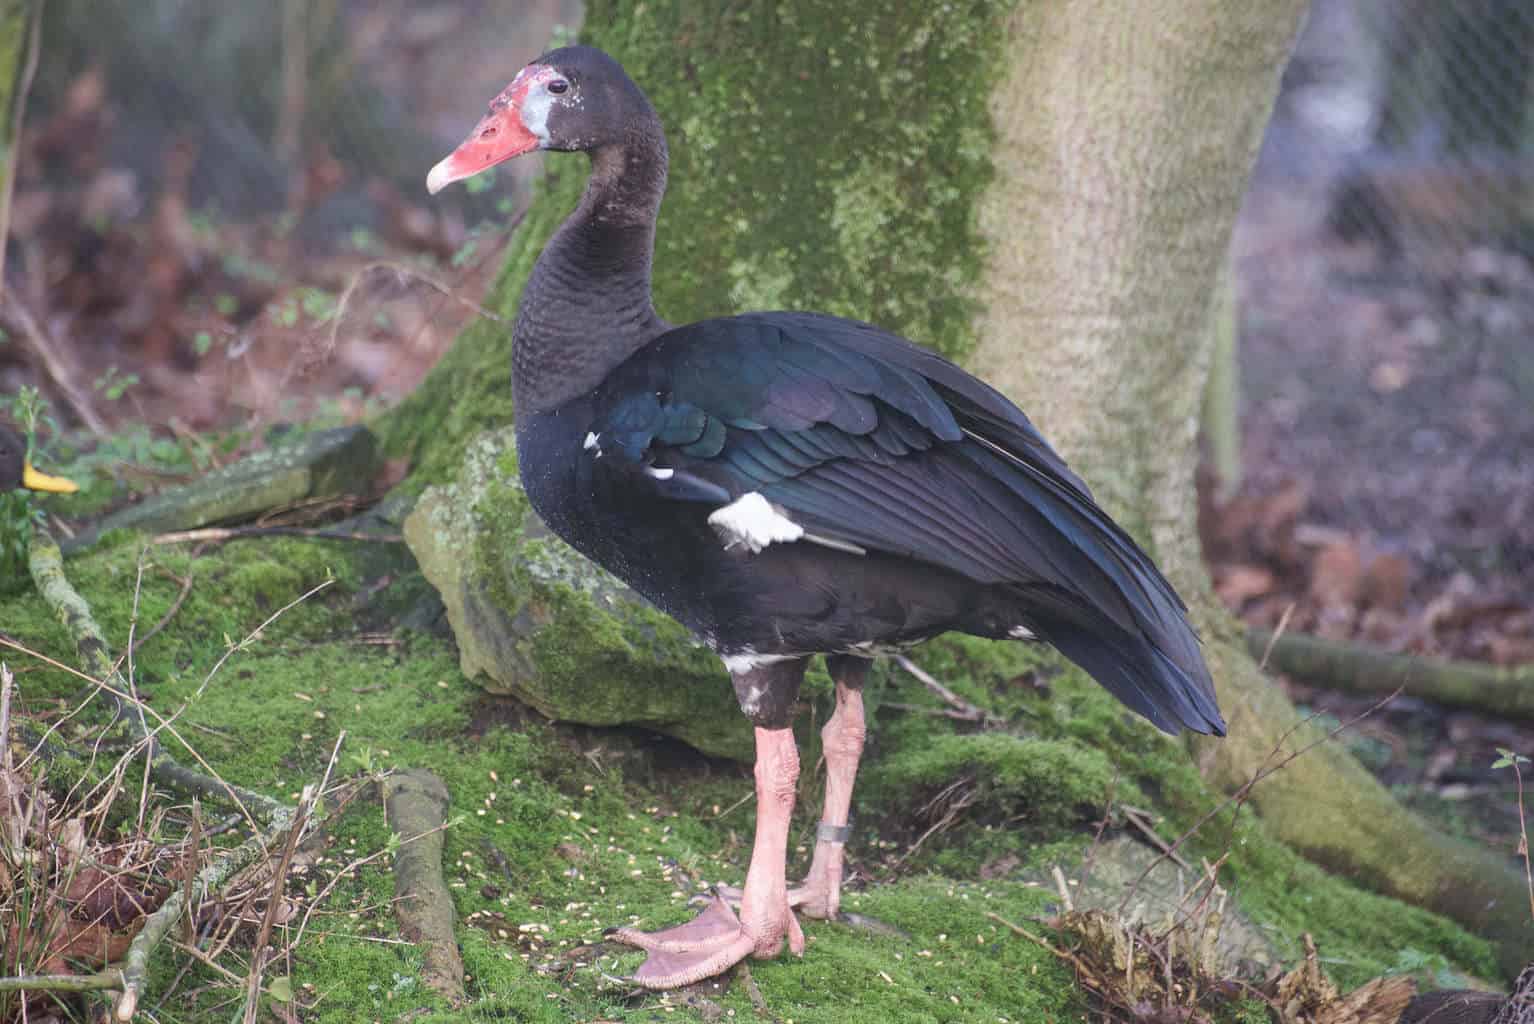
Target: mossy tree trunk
<point>1044,187</point>
<point>1119,178</point>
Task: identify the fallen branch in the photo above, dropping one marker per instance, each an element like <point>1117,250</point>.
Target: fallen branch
<point>416,803</point>
<point>1351,668</point>
<point>322,464</point>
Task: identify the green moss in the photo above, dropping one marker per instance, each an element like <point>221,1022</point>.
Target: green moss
<point>1360,932</point>
<point>1044,782</point>
<point>571,830</point>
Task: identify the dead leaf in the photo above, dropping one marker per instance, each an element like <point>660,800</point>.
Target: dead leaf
<point>1336,575</point>
<point>1238,584</point>
<point>1386,582</point>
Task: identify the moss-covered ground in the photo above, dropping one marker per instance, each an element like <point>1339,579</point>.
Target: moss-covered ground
<point>558,832</point>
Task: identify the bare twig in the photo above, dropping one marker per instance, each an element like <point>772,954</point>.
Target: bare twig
<point>401,271</point>
<point>32,331</point>
<point>222,533</point>
<point>274,899</point>
<point>6,682</point>
<point>1137,819</point>
<point>1523,827</point>
<point>251,637</point>
<point>1061,888</point>
<point>1283,624</point>
<point>170,613</point>
<point>965,709</point>
<point>104,980</point>
<point>1239,797</point>
<point>922,709</point>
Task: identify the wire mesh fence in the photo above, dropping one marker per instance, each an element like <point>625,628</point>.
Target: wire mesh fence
<point>1385,265</point>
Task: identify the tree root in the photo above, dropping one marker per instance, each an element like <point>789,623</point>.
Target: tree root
<point>416,803</point>
<point>328,462</point>
<point>1352,668</point>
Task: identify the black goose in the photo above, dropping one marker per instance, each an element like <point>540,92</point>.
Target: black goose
<point>792,484</point>
<point>16,471</point>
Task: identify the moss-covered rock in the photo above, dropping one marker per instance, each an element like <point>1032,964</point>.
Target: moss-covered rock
<point>536,620</point>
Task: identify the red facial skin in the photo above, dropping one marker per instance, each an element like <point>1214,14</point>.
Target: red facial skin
<point>499,136</point>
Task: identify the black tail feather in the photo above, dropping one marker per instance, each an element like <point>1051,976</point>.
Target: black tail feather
<point>1133,669</point>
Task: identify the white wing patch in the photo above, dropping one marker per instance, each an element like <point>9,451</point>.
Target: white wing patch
<point>1022,633</point>
<point>747,658</point>
<point>750,520</point>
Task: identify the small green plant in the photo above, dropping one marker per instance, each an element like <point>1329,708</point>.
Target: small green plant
<point>29,411</point>
<point>317,304</point>
<point>465,252</point>
<point>114,384</point>
<point>1433,968</point>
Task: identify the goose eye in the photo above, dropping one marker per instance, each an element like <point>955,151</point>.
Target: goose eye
<point>559,86</point>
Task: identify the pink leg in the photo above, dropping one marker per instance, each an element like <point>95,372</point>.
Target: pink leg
<point>842,741</point>
<point>717,939</point>
<point>820,894</point>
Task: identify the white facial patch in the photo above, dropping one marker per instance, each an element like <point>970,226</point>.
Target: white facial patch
<point>751,520</point>
<point>535,111</point>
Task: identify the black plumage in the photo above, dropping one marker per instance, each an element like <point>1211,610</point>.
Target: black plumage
<point>929,501</point>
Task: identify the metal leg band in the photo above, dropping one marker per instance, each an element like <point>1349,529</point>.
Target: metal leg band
<point>833,833</point>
